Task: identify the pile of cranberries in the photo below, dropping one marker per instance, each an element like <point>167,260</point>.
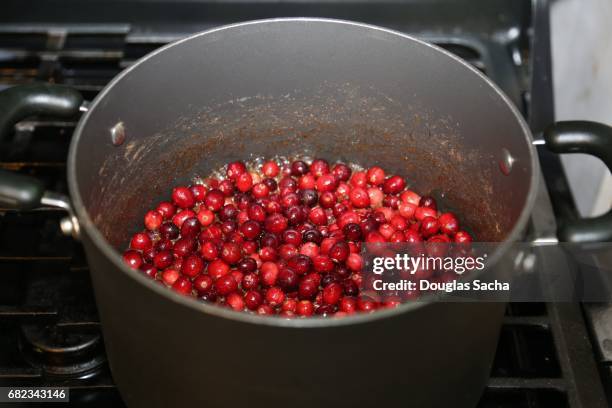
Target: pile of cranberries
<point>283,239</point>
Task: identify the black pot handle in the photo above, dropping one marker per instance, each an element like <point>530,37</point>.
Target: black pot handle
<point>20,191</point>
<point>19,102</point>
<point>591,138</point>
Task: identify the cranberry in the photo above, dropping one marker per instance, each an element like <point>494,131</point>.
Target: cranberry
<point>260,190</point>
<point>269,273</point>
<point>289,305</point>
<point>288,184</point>
<point>322,263</point>
<point>226,187</point>
<point>287,278</point>
<point>271,184</point>
<point>394,185</point>
<point>354,262</point>
<point>350,288</point>
<point>300,264</point>
<point>218,269</point>
<point>463,237</point>
<point>225,285</point>
<point>429,226</point>
<point>169,231</point>
<point>348,305</point>
<point>180,217</point>
<point>268,254</point>
<point>307,289</point>
<point>166,209</point>
<point>326,182</point>
<point>275,296</point>
<point>376,176</point>
<point>308,197</point>
<point>183,247</point>
<point>406,210</point>
<point>264,310</point>
<point>319,167</point>
<point>352,232</point>
<point>247,265</point>
<point>235,169</point>
<point>199,192</point>
<point>448,223</point>
<point>309,249</point>
<point>312,235</point>
<point>153,220</point>
<point>235,301</point>
<point>326,310</point>
<point>169,276</point>
<point>339,252</point>
<point>203,284</point>
<point>276,223</point>
<point>252,299</point>
<point>231,253</point>
<point>269,240</point>
<point>214,200</point>
<point>256,212</point>
<point>422,212</point>
<point>250,281</point>
<point>163,259</point>
<point>304,308</point>
<point>359,198</point>
<point>244,182</point>
<point>341,171</point>
<point>292,237</point>
<point>270,169</point>
<point>141,241</point>
<point>327,199</point>
<point>183,197</point>
<point>149,270</point>
<point>299,168</point>
<point>429,202</point>
<point>190,228</point>
<point>182,285</point>
<point>132,259</point>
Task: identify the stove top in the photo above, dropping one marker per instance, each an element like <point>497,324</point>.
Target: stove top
<point>49,329</point>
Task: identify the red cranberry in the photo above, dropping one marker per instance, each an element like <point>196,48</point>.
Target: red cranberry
<point>250,229</point>
<point>429,202</point>
<point>209,251</point>
<point>225,285</point>
<point>149,270</point>
<point>231,253</point>
<point>304,308</point>
<point>183,197</point>
<point>354,262</point>
<point>352,232</point>
<point>190,228</point>
<point>252,299</point>
<point>269,240</point>
<point>226,187</point>
<point>166,209</point>
<point>317,216</point>
<point>153,220</point>
<point>169,231</point>
<point>326,310</point>
<point>183,247</point>
<point>448,223</point>
<point>235,301</point>
<point>429,226</point>
<point>267,254</point>
<point>182,285</point>
<point>288,184</point>
<point>256,212</point>
<point>319,167</point>
<point>307,289</point>
<point>247,265</point>
<point>199,192</point>
<point>235,169</point>
<point>289,305</point>
<point>422,212</point>
<point>463,237</point>
<point>192,266</point>
<point>286,251</point>
<point>276,223</point>
<point>271,184</point>
<point>292,237</point>
<point>312,235</point>
<point>339,252</point>
<point>244,182</point>
<point>327,199</point>
<point>300,264</point>
<point>163,259</point>
<point>275,296</point>
<point>359,198</point>
<point>394,185</point>
<point>260,190</point>
<point>141,241</point>
<point>180,217</point>
<point>269,273</point>
<point>341,171</point>
<point>250,281</point>
<point>169,276</point>
<point>299,168</point>
<point>348,305</point>
<point>214,200</point>
<point>132,259</point>
<point>376,176</point>
<point>287,278</point>
<point>366,304</point>
<point>203,284</point>
<point>270,169</point>
<point>359,179</point>
<point>264,310</point>
<point>326,182</point>
<point>308,197</point>
<point>228,212</point>
<point>322,263</point>
<point>217,269</point>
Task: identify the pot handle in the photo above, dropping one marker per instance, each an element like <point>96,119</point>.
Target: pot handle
<point>20,191</point>
<point>591,138</point>
<point>19,102</point>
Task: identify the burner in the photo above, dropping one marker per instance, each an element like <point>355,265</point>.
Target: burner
<point>63,350</point>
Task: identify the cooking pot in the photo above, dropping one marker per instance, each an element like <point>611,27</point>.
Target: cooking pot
<point>325,88</point>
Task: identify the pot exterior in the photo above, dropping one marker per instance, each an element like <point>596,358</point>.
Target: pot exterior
<point>163,354</point>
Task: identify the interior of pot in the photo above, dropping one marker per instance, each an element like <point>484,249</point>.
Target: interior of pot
<point>334,90</point>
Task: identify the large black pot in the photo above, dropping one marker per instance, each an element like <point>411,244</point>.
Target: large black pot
<point>332,89</point>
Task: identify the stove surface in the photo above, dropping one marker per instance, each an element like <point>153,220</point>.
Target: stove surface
<point>49,329</point>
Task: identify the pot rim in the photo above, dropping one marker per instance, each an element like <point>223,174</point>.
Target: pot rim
<point>111,253</point>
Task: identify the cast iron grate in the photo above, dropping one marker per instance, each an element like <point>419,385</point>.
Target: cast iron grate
<point>49,329</point>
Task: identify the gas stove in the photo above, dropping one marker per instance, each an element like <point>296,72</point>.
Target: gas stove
<point>49,329</point>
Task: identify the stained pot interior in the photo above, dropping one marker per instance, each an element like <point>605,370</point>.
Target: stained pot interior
<point>324,89</point>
